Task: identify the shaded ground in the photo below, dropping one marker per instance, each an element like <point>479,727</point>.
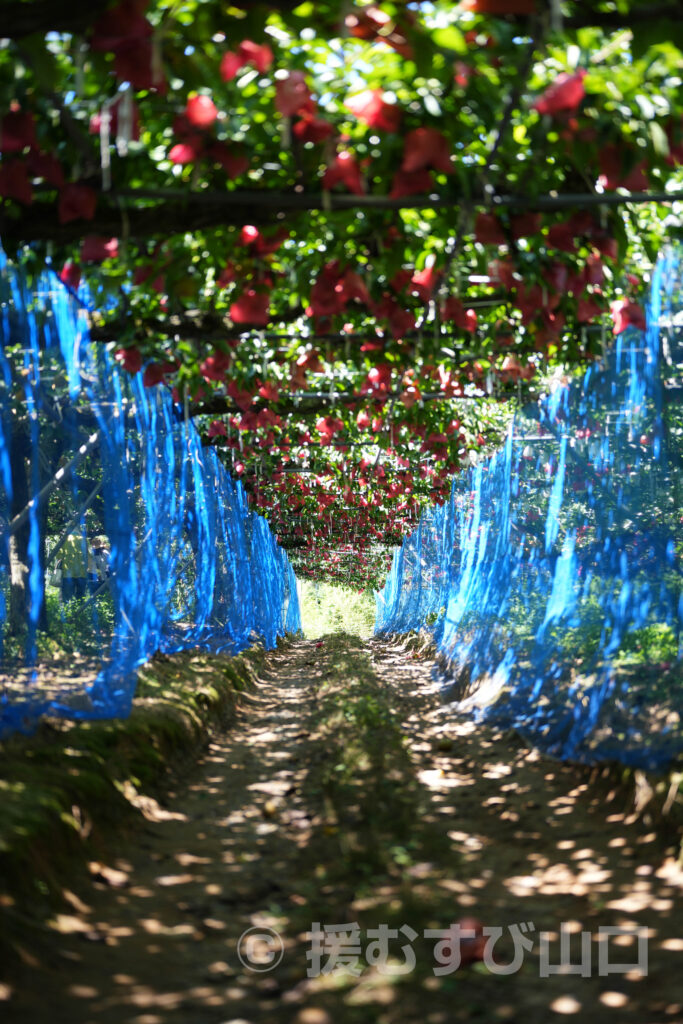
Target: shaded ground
<point>347,793</point>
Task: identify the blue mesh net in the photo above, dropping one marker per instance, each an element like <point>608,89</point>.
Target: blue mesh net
<point>121,534</point>
<point>552,578</point>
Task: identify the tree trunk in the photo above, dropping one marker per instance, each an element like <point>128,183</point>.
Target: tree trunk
<point>43,624</point>
<point>19,451</point>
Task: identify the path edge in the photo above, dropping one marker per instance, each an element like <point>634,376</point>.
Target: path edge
<point>67,789</point>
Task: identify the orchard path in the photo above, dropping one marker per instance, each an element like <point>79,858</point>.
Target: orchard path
<point>346,792</point>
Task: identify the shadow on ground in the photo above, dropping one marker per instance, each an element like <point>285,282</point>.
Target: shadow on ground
<point>348,794</point>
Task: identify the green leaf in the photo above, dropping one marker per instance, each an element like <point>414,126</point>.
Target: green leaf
<point>594,83</point>
<point>659,139</point>
<point>450,38</point>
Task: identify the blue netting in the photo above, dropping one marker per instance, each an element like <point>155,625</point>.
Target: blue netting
<point>552,578</point>
<point>121,534</point>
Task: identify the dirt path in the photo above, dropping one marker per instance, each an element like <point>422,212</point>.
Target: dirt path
<point>347,793</point>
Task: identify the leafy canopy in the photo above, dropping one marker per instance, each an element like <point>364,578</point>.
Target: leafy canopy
<point>348,235</point>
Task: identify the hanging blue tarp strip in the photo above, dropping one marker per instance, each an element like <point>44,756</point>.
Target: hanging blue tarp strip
<point>155,548</point>
<point>552,578</point>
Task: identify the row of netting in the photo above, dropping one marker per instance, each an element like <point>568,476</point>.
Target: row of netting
<point>121,535</point>
<point>551,580</point>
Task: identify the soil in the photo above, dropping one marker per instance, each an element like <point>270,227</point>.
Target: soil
<point>347,792</point>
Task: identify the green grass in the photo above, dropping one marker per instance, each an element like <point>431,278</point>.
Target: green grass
<point>326,608</point>
<point>373,803</point>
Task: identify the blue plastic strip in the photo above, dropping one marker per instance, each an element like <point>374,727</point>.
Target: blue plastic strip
<point>187,564</point>
<point>554,595</point>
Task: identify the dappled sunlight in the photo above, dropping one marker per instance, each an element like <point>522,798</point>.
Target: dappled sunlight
<point>420,823</point>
